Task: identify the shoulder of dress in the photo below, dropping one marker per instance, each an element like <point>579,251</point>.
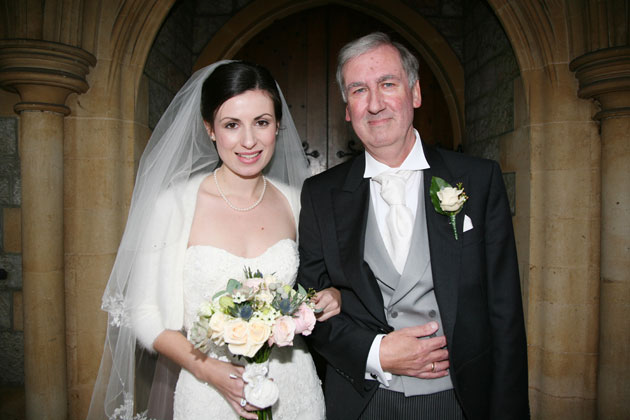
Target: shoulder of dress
<point>285,189</point>
<point>186,188</point>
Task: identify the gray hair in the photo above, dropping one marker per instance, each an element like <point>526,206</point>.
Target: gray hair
<point>368,43</point>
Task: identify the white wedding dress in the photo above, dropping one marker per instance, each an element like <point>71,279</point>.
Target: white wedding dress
<point>206,271</point>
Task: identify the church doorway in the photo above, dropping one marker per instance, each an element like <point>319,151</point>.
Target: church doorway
<point>300,50</point>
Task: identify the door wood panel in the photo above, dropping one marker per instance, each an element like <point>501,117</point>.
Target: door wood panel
<point>301,52</point>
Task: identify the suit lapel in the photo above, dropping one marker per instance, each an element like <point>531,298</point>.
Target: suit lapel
<point>445,251</point>
<point>350,209</point>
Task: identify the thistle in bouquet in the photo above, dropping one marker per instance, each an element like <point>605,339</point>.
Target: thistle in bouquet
<point>250,317</point>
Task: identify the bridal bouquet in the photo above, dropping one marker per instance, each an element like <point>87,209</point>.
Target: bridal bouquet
<point>251,316</point>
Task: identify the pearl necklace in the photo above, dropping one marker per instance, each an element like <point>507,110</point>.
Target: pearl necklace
<point>232,206</point>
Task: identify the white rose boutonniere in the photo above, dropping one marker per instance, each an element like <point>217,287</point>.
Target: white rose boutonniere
<point>447,200</point>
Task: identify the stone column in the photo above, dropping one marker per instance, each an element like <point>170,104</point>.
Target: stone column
<point>43,74</point>
<point>605,76</point>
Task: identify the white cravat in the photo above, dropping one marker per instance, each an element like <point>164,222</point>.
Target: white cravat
<point>399,219</point>
<point>415,162</point>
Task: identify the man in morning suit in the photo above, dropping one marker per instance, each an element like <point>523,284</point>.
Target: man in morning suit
<point>431,325</point>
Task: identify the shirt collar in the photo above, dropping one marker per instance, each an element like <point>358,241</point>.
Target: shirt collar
<point>415,161</point>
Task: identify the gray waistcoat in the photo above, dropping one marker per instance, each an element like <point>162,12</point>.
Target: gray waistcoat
<point>409,298</point>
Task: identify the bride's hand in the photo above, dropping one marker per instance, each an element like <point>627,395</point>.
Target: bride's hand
<point>329,301</point>
<point>227,379</point>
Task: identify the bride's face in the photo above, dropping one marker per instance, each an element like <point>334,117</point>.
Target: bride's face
<point>244,129</point>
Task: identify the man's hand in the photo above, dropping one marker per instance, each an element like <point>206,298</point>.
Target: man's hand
<point>405,352</point>
<point>329,301</point>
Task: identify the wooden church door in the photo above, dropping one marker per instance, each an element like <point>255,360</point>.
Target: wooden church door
<point>301,52</point>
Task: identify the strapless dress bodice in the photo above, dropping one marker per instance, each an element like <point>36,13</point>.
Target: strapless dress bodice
<point>207,270</point>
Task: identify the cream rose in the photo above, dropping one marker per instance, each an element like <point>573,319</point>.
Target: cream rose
<point>284,331</point>
<point>305,320</point>
<point>245,338</point>
<point>451,199</point>
<point>217,324</point>
<point>235,332</point>
<point>259,332</point>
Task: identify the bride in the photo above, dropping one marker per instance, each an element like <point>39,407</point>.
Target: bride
<point>190,229</point>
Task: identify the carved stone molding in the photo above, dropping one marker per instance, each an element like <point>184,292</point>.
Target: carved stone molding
<point>43,73</point>
<point>605,75</point>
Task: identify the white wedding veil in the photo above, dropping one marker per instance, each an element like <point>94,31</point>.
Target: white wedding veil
<point>178,148</point>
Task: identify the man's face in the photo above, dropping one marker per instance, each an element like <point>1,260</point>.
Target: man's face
<point>380,103</point>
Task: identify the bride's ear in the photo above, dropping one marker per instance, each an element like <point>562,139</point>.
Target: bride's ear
<point>209,130</point>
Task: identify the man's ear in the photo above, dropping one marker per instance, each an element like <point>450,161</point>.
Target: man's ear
<point>347,114</point>
<point>209,130</point>
<point>417,94</point>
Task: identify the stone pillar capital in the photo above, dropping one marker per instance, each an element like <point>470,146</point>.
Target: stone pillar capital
<point>604,75</point>
<point>43,73</point>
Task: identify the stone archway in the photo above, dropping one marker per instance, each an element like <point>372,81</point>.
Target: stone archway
<point>561,273</point>
<point>577,326</point>
<point>406,22</point>
<point>105,133</point>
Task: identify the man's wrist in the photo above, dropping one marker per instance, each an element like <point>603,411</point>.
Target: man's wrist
<point>373,369</point>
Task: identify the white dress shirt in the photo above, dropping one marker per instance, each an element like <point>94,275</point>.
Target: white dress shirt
<point>416,162</point>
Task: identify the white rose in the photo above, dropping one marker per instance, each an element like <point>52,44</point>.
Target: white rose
<point>270,279</point>
<point>451,199</point>
<point>206,309</point>
<point>265,297</point>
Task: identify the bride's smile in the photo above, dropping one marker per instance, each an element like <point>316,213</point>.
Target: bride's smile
<point>244,130</point>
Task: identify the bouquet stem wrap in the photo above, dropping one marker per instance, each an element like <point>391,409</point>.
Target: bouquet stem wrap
<point>260,390</point>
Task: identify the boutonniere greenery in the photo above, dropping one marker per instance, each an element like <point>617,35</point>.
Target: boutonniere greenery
<point>447,200</point>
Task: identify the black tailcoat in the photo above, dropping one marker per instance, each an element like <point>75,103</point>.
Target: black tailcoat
<point>475,278</point>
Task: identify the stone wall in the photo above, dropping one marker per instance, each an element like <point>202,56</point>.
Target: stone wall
<point>184,34</point>
<point>170,60</point>
<point>490,69</point>
<point>446,16</point>
<point>11,335</point>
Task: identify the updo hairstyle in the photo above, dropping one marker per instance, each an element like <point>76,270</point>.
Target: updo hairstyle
<point>232,79</point>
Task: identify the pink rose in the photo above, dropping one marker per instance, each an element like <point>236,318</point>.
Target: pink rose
<point>305,320</point>
<point>284,331</point>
